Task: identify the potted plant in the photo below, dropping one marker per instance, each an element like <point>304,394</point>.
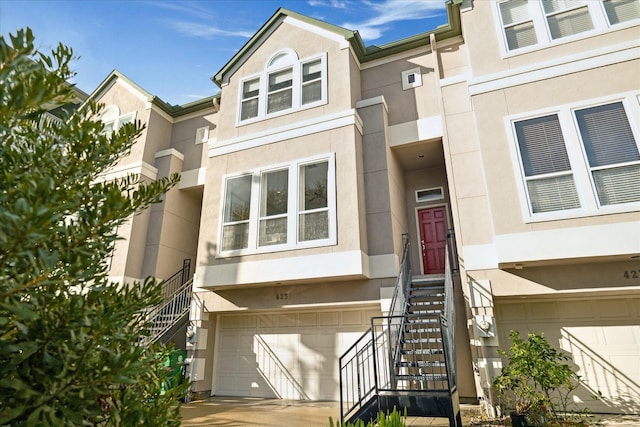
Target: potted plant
<point>535,374</point>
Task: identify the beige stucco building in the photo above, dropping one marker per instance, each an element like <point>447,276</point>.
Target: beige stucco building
<point>511,136</point>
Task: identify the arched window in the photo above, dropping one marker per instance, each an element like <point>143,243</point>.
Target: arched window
<point>113,120</point>
<point>286,84</point>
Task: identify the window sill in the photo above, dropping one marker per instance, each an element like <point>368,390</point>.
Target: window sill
<point>277,248</point>
<point>569,39</point>
<point>582,213</point>
<point>280,113</point>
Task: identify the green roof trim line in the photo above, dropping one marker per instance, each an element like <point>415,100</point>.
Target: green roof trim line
<point>172,110</point>
<point>364,53</point>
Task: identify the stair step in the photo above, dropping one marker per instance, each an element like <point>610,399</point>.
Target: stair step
<point>419,351</point>
<point>420,304</point>
<point>420,364</point>
<point>426,291</point>
<point>421,377</point>
<point>431,278</point>
<point>424,339</point>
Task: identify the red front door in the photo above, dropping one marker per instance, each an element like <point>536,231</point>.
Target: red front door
<point>433,238</point>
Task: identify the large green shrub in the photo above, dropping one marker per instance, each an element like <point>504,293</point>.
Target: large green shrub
<point>68,352</point>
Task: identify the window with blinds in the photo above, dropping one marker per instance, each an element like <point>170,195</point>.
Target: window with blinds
<point>611,151</point>
<point>518,25</point>
<point>545,163</point>
<point>250,92</point>
<point>280,91</point>
<point>567,17</point>
<point>531,23</point>
<point>619,11</point>
<point>311,82</point>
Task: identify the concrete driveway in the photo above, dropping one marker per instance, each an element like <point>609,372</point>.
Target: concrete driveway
<point>246,411</point>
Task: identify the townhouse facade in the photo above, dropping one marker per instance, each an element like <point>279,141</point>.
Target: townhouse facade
<point>509,136</point>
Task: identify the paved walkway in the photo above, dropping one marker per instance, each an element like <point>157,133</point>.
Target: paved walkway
<point>246,411</point>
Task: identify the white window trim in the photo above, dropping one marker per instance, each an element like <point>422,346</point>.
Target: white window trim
<point>432,189</point>
<point>596,11</point>
<point>296,98</point>
<point>589,205</point>
<point>292,213</point>
<point>117,121</point>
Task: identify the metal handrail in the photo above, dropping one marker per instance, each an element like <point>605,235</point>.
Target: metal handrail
<point>449,323</point>
<point>164,316</point>
<point>173,283</point>
<point>373,363</point>
<point>356,369</point>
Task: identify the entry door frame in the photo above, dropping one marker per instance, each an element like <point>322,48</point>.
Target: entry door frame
<point>417,227</point>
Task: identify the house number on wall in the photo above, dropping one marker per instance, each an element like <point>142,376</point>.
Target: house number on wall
<point>632,274</point>
<point>282,296</point>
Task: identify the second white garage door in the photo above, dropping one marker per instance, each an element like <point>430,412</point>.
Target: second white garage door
<point>602,336</point>
<point>286,355</point>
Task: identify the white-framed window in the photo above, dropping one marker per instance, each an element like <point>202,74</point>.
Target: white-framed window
<point>112,119</point>
<point>280,207</point>
<point>536,23</point>
<point>579,160</point>
<point>286,84</point>
<point>611,151</point>
<point>429,194</point>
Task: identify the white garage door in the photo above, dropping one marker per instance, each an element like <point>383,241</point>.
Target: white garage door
<point>601,334</point>
<point>286,355</point>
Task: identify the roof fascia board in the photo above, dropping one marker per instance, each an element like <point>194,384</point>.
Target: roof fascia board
<point>364,54</point>
<point>424,49</point>
<point>452,29</point>
<point>222,77</point>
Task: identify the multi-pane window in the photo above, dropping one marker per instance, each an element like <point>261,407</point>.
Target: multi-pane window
<point>237,203</point>
<point>313,203</point>
<point>311,82</point>
<point>286,84</point>
<point>280,91</point>
<point>567,17</point>
<point>294,207</point>
<point>612,153</point>
<point>539,22</point>
<point>274,201</point>
<point>621,10</point>
<point>112,121</point>
<point>546,166</point>
<point>584,159</point>
<point>249,105</point>
<point>518,25</point>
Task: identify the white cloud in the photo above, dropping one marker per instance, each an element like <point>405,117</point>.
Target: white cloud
<point>187,7</point>
<point>337,4</point>
<point>390,11</point>
<point>205,31</point>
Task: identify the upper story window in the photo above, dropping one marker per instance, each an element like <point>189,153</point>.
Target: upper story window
<point>280,207</point>
<point>112,119</point>
<point>540,22</point>
<point>585,159</point>
<point>286,84</point>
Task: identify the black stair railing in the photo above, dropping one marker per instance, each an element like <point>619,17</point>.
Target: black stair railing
<point>448,321</point>
<point>176,293</point>
<point>403,353</point>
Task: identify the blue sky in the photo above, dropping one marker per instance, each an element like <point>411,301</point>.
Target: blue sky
<point>172,48</point>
